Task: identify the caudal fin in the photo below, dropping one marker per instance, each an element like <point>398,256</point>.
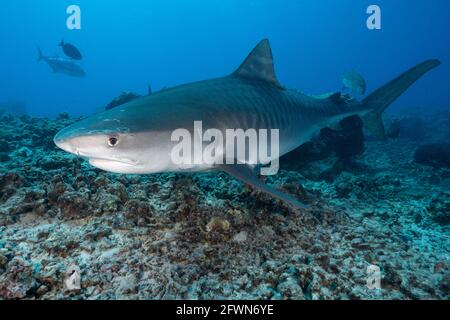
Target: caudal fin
<point>41,56</point>
<point>382,98</point>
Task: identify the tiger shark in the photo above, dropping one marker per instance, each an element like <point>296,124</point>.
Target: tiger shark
<point>135,138</point>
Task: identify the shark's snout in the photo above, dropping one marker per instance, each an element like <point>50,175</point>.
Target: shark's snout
<point>63,141</point>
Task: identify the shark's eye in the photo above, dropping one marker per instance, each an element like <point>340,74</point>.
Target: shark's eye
<point>112,142</point>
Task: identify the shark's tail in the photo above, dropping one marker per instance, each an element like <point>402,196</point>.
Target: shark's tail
<point>379,100</point>
<point>41,56</point>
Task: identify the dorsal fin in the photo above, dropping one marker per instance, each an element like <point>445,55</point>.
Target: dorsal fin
<point>259,64</point>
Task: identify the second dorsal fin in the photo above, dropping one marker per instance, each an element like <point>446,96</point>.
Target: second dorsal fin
<point>259,64</point>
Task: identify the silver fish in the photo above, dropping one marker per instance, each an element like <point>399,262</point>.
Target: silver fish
<point>61,65</point>
<point>355,82</point>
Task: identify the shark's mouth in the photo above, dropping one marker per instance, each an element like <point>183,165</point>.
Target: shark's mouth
<point>94,160</point>
<point>116,166</point>
<point>106,161</point>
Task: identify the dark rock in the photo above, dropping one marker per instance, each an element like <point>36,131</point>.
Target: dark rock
<point>7,117</point>
<point>74,204</point>
<point>63,116</point>
<point>4,158</point>
<point>98,233</point>
<point>26,119</point>
<point>439,209</point>
<point>306,153</point>
<point>19,281</point>
<point>411,128</point>
<point>436,155</point>
<point>24,152</point>
<point>393,131</point>
<point>56,190</point>
<point>4,146</point>
<point>122,99</point>
<point>343,189</point>
<point>346,143</point>
<point>445,284</point>
<point>41,290</point>
<point>391,278</point>
<point>119,190</point>
<point>138,216</point>
<point>52,163</point>
<point>343,165</point>
<point>6,193</point>
<point>43,137</point>
<point>11,179</point>
<point>106,202</point>
<point>137,208</point>
<point>3,261</point>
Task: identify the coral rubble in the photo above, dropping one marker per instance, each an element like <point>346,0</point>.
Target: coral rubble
<point>204,236</point>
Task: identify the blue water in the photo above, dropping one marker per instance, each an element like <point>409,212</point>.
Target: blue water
<point>130,44</point>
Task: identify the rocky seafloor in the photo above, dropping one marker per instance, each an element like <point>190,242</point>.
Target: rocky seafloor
<point>207,236</point>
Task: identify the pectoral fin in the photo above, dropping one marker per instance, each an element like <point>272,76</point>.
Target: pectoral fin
<point>245,174</point>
